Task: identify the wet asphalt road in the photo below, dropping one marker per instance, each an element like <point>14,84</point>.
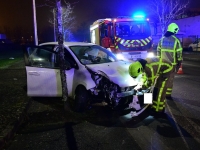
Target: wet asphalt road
<point>49,127</point>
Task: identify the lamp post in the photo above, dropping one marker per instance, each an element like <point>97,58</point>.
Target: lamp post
<point>35,23</point>
<point>54,23</point>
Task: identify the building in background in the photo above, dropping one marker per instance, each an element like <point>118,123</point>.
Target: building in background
<point>189,24</point>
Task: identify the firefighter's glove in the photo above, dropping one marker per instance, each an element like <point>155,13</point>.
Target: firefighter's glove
<point>142,81</point>
<point>138,87</point>
<point>151,88</point>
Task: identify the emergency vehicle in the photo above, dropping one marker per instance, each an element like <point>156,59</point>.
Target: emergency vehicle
<point>128,37</point>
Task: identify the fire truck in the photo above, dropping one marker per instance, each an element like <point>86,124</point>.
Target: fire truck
<point>128,37</point>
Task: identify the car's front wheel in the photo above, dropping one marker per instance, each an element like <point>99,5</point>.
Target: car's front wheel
<point>81,99</point>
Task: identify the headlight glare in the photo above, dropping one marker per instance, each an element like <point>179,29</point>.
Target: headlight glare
<point>150,55</point>
<point>120,57</point>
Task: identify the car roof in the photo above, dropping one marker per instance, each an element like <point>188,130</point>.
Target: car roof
<point>67,43</point>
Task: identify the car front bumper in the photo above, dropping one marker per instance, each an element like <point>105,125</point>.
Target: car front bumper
<point>126,93</point>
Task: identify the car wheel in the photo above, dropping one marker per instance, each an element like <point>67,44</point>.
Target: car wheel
<point>81,99</point>
<point>190,49</point>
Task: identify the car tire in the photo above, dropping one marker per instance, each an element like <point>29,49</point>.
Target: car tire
<point>190,49</point>
<point>81,99</point>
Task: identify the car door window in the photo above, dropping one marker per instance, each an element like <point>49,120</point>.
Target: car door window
<point>49,46</point>
<point>43,58</point>
<point>69,59</point>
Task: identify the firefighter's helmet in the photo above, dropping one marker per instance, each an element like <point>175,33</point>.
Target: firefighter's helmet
<point>135,69</point>
<point>173,27</point>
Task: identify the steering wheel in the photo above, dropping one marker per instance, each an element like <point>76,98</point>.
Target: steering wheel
<point>96,59</point>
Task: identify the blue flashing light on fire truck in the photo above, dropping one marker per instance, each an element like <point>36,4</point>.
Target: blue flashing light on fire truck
<point>128,37</point>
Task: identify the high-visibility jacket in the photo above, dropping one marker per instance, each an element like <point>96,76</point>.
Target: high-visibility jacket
<point>160,69</point>
<point>106,42</point>
<point>170,49</point>
<point>154,68</point>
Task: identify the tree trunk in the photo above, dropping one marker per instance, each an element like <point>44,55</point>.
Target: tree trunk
<point>61,52</point>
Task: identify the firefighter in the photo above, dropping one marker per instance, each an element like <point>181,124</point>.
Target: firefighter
<point>169,48</point>
<point>154,71</point>
<point>106,42</point>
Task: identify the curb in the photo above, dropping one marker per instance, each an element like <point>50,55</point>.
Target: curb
<point>4,140</point>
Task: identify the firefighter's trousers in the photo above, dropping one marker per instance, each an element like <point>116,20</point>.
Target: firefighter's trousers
<point>170,82</point>
<point>159,94</point>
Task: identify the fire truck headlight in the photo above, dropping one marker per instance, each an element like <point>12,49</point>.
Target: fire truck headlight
<point>150,55</point>
<point>120,57</point>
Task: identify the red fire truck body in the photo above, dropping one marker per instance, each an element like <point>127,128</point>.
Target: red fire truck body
<point>128,38</point>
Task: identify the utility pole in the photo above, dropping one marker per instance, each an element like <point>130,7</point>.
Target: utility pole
<point>35,23</point>
<point>54,23</point>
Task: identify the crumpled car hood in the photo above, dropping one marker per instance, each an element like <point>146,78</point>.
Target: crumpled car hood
<point>116,72</point>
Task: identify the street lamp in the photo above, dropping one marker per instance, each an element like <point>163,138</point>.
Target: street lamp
<point>35,23</point>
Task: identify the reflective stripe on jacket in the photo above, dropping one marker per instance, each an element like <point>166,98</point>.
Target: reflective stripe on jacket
<point>170,49</point>
<point>156,67</point>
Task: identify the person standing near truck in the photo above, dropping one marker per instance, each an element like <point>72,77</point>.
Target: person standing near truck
<point>170,49</point>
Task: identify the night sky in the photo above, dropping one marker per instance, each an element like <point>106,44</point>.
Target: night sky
<point>18,13</point>
<point>13,13</point>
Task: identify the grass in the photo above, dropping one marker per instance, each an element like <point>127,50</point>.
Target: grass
<point>4,62</point>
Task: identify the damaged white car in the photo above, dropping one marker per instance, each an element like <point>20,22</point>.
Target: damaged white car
<point>93,74</point>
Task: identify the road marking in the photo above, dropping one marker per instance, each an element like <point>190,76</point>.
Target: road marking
<point>191,125</point>
<point>179,130</point>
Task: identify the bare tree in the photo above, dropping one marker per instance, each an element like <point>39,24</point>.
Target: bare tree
<point>59,30</point>
<point>68,20</point>
<point>166,10</point>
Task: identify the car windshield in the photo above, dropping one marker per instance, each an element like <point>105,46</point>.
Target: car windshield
<point>93,54</point>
